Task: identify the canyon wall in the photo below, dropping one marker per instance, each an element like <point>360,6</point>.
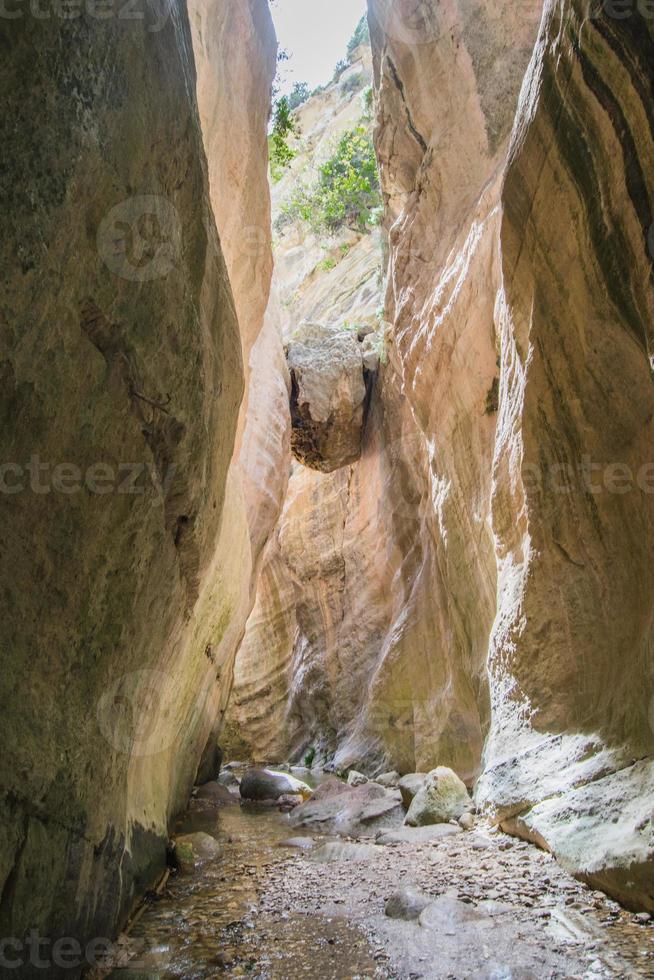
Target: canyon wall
<point>128,494</point>
<point>383,651</point>
<point>569,757</point>
<point>476,590</point>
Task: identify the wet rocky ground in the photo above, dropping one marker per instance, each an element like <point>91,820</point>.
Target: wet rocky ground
<point>496,908</point>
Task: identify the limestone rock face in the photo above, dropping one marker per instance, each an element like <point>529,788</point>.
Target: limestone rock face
<point>392,562</point>
<point>122,365</point>
<point>475,591</point>
<point>328,396</point>
<point>570,651</point>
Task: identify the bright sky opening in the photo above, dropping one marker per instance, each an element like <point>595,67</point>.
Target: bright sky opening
<point>315,35</point>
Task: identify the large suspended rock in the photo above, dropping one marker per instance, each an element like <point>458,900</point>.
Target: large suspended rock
<point>328,396</point>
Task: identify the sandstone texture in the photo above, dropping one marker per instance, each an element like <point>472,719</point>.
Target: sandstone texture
<point>475,591</point>
<point>124,326</point>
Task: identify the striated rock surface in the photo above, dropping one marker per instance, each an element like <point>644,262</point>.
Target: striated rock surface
<point>234,47</point>
<point>393,567</point>
<point>475,591</point>
<point>570,651</point>
<point>122,364</point>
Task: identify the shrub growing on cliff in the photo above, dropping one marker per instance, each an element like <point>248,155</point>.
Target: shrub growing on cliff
<point>299,95</point>
<point>346,191</point>
<point>361,36</point>
<point>283,127</point>
<point>338,70</point>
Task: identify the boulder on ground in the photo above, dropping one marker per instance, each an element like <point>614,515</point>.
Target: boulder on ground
<point>442,797</point>
<point>407,903</point>
<point>228,779</point>
<point>266,784</point>
<point>355,778</point>
<point>343,852</point>
<point>215,794</point>
<point>409,786</point>
<point>298,843</point>
<point>354,811</point>
<point>466,821</point>
<point>194,850</point>
<point>388,779</point>
<point>289,801</point>
<point>417,835</point>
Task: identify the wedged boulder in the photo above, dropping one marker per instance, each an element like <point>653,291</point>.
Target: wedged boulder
<point>355,778</point>
<point>328,396</point>
<point>442,797</point>
<point>194,850</point>
<point>409,786</point>
<point>355,811</point>
<point>407,903</point>
<point>266,784</point>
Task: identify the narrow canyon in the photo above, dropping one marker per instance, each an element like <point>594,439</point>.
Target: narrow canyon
<point>327,492</point>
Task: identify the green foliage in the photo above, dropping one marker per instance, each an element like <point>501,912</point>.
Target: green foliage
<point>284,126</point>
<point>338,71</point>
<point>361,36</point>
<point>380,343</point>
<point>352,83</point>
<point>299,94</point>
<point>328,264</point>
<point>367,98</point>
<point>346,191</point>
<point>309,756</point>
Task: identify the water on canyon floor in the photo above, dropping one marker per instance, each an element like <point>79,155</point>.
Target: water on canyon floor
<point>503,909</point>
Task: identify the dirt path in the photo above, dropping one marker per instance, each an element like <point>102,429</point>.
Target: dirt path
<point>501,909</point>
